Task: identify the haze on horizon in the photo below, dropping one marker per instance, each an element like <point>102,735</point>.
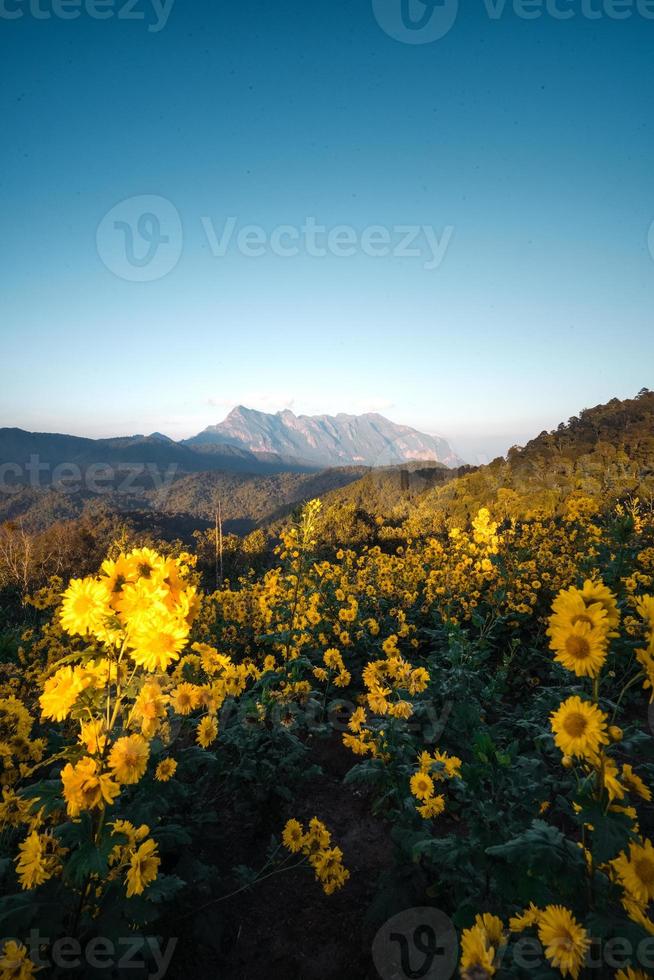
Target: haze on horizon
<point>475,447</point>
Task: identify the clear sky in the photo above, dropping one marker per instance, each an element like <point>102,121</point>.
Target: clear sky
<point>525,147</point>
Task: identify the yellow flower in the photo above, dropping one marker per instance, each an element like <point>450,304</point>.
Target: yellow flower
<point>330,885</point>
<point>596,591</point>
<point>318,837</point>
<point>579,728</point>
<point>526,919</point>
<point>422,786</point>
<point>358,745</point>
<point>33,865</point>
<point>637,912</point>
<point>327,862</point>
<point>185,698</point>
<point>157,639</point>
<point>145,563</point>
<point>85,787</point>
<point>128,759</point>
<point>92,736</point>
<point>15,719</point>
<point>645,608</point>
<point>165,770</point>
<point>636,871</point>
<point>14,808</point>
<point>214,662</point>
<point>377,700</point>
<point>150,707</point>
<point>634,783</point>
<point>418,681</point>
<point>389,646</point>
<point>401,709</point>
<point>566,942</point>
<point>612,784</point>
<point>140,599</point>
<point>85,607</point>
<point>451,763</point>
<point>293,836</point>
<point>357,720</point>
<point>207,732</point>
<point>646,660</point>
<point>329,870</point>
<point>477,954</point>
<point>630,974</point>
<point>569,609</point>
<point>134,834</point>
<point>116,574</point>
<point>493,926</point>
<point>580,649</point>
<point>15,963</point>
<point>60,693</point>
<point>143,869</point>
<point>629,811</point>
<point>433,807</point>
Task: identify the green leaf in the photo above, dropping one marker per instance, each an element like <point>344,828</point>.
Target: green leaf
<point>611,831</point>
<point>539,845</point>
<point>164,888</point>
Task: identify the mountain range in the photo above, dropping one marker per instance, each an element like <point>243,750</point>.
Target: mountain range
<point>247,441</point>
<point>324,440</point>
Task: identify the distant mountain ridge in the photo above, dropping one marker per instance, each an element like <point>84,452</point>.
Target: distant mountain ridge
<point>325,440</point>
<point>22,449</point>
<point>247,442</point>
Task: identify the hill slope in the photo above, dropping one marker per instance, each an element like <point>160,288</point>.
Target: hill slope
<point>604,454</point>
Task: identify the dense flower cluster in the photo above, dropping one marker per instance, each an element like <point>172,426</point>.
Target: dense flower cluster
<point>115,699</point>
<point>535,633</point>
<point>433,769</point>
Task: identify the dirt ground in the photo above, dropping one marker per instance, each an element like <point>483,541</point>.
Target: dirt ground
<point>286,928</point>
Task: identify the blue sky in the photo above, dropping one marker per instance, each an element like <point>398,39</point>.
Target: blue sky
<point>526,147</point>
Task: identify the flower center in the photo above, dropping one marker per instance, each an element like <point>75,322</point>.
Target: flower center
<point>645,870</point>
<point>578,647</point>
<point>575,724</point>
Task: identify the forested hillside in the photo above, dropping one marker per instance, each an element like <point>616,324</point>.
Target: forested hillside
<point>245,500</point>
<point>605,454</point>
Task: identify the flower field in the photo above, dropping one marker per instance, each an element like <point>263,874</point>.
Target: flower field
<point>488,681</point>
